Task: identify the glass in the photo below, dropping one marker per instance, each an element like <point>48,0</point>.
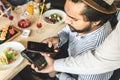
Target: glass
<point>40,22</point>
<point>30,8</point>
<point>27,10</point>
<point>40,25</point>
<point>27,15</point>
<point>10,16</point>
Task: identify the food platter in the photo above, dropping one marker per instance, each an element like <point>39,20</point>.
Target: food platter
<point>16,46</point>
<point>9,34</point>
<point>54,16</point>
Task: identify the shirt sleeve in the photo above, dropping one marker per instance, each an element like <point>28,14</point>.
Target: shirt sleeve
<point>106,58</point>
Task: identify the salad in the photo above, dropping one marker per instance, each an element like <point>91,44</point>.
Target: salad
<point>8,56</point>
<point>53,18</point>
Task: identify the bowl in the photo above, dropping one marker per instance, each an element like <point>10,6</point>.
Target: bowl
<point>54,16</point>
<point>17,47</point>
<point>24,23</point>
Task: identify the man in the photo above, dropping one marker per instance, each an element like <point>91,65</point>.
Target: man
<point>87,27</point>
<point>105,58</point>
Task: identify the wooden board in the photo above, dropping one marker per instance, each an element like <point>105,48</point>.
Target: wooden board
<point>17,33</point>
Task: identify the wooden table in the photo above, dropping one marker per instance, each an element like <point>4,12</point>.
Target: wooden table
<point>37,34</point>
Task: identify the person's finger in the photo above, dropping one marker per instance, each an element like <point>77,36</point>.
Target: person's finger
<point>36,69</point>
<point>50,44</point>
<point>45,41</point>
<point>43,70</point>
<point>44,54</point>
<point>28,63</point>
<point>32,66</point>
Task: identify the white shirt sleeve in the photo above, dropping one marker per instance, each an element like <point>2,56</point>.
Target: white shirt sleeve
<point>105,59</point>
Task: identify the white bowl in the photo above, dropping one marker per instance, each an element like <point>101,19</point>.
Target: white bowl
<point>56,11</point>
<point>16,46</point>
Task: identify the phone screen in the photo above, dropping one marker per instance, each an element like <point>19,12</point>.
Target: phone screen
<point>39,47</point>
<point>33,56</point>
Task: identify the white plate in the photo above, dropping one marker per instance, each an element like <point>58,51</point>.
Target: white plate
<point>16,46</point>
<point>52,11</point>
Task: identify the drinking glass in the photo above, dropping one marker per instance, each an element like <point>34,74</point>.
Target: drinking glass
<point>40,24</point>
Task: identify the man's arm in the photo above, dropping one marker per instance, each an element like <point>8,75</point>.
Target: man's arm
<point>106,58</point>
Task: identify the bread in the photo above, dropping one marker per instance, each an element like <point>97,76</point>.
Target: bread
<point>4,32</point>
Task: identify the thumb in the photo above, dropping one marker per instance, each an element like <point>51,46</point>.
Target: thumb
<point>46,56</point>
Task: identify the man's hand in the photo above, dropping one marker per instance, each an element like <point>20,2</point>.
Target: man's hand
<point>50,64</point>
<point>52,41</point>
<point>49,68</point>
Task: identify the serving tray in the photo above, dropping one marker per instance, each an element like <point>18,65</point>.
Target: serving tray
<point>9,36</point>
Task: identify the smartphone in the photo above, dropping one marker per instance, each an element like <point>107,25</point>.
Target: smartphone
<point>39,47</point>
<point>34,58</point>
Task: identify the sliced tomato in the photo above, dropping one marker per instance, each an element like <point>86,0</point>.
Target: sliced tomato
<point>12,31</point>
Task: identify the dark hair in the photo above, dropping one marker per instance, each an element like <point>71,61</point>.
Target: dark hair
<point>94,15</point>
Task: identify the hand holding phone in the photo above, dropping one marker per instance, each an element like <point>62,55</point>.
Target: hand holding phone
<point>35,58</point>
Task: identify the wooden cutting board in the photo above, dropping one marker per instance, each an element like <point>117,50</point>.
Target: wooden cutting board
<point>11,37</point>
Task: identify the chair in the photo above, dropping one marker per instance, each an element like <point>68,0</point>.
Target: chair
<point>118,15</point>
<point>116,75</point>
<point>114,20</point>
